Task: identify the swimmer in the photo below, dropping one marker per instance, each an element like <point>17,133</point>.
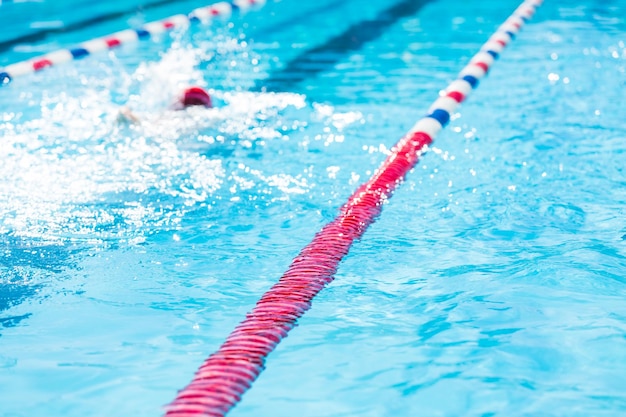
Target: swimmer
<point>191,96</point>
<point>194,96</point>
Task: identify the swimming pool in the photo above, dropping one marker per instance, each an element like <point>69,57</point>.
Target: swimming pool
<point>492,283</point>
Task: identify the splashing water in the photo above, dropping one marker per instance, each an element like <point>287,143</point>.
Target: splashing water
<point>77,172</point>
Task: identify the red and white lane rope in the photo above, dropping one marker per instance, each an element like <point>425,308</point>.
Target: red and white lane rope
<point>219,383</point>
<point>205,14</point>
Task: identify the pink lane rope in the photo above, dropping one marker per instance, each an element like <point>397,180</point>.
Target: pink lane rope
<point>201,14</point>
<point>223,378</point>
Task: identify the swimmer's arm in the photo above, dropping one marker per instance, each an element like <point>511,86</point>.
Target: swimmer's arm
<point>126,115</point>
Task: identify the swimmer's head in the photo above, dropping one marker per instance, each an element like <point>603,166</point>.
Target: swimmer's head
<point>195,96</point>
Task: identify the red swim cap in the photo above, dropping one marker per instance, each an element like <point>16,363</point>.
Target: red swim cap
<point>196,96</point>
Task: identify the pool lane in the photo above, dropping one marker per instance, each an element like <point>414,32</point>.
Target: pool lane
<point>201,14</point>
<point>223,378</point>
<point>44,33</point>
<point>323,57</point>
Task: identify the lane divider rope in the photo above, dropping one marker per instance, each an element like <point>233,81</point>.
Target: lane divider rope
<point>222,379</point>
<point>202,14</point>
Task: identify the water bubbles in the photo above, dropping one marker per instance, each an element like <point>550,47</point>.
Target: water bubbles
<point>553,77</point>
<point>338,120</point>
<point>332,171</point>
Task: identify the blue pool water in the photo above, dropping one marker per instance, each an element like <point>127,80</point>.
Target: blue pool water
<point>493,283</point>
